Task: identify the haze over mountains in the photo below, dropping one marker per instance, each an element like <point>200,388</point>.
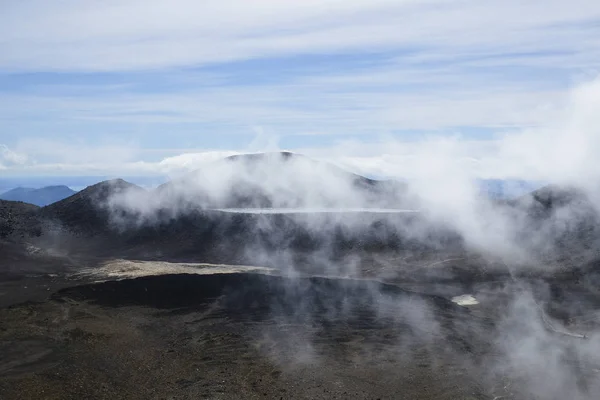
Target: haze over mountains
<point>182,218</point>
<point>549,232</point>
<point>39,197</point>
<point>74,182</point>
<point>43,191</point>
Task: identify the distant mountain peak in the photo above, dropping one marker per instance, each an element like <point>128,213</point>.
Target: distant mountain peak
<point>278,180</point>
<point>40,197</point>
<point>57,187</point>
<point>116,183</point>
<point>86,212</point>
<point>103,190</point>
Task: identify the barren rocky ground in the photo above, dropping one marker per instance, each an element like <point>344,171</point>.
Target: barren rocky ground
<point>141,330</point>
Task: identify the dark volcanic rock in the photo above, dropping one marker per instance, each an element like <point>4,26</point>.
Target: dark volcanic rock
<point>551,199</point>
<point>18,220</point>
<point>246,336</point>
<point>563,221</point>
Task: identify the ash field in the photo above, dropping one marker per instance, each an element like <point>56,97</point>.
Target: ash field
<point>276,276</point>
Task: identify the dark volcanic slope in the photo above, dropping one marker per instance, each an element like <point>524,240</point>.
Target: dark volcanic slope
<point>216,236</point>
<point>559,225</point>
<point>18,220</point>
<point>87,212</point>
<point>121,219</point>
<point>40,197</point>
<point>547,200</point>
<point>564,221</point>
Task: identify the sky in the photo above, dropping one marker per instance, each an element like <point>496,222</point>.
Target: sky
<point>132,87</point>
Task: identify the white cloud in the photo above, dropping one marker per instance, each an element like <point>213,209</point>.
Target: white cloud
<point>190,161</point>
<point>563,149</point>
<point>300,107</point>
<point>9,157</point>
<point>566,149</point>
<point>117,35</point>
<point>41,150</point>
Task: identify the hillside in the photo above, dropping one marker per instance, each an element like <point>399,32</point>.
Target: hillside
<point>87,212</point>
<point>179,218</point>
<point>40,197</point>
<point>562,223</point>
<point>18,220</point>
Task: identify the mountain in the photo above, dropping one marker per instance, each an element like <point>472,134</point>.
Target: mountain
<point>279,180</point>
<point>39,197</point>
<point>183,218</point>
<point>179,220</point>
<point>88,211</point>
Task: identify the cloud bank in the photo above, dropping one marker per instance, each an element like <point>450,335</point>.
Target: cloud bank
<point>561,150</point>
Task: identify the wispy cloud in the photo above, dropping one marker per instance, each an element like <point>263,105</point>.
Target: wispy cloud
<point>10,158</point>
<point>116,35</point>
<point>563,149</point>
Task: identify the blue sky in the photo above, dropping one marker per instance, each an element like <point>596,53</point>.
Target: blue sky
<point>148,87</point>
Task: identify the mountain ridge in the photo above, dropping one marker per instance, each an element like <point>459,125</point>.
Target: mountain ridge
<point>38,196</point>
<point>118,217</point>
<point>279,180</point>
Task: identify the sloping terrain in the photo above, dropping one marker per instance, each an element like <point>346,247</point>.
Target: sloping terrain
<point>18,220</point>
<point>564,223</point>
<point>182,219</point>
<point>86,212</point>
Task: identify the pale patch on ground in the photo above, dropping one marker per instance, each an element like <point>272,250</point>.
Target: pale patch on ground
<point>465,300</point>
<point>31,249</point>
<point>125,269</point>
